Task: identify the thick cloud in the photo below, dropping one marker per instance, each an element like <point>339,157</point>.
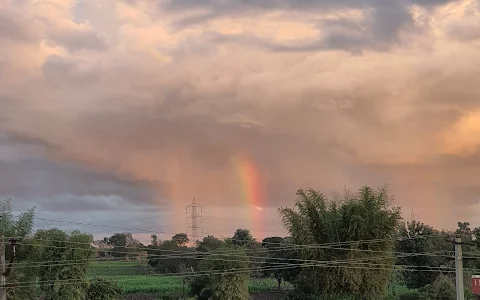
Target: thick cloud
<point>148,103</point>
<point>30,177</point>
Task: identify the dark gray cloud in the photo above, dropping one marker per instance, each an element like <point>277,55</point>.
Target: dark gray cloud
<point>28,174</point>
<point>236,5</point>
<point>380,30</point>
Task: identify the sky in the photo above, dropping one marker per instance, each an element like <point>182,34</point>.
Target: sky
<point>119,112</point>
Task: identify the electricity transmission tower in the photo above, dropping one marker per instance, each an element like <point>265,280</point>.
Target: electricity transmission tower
<point>193,227</point>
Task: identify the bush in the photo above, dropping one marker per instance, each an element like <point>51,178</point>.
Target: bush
<point>414,295</point>
<point>442,288</point>
<point>102,289</point>
<point>199,287</point>
<point>294,295</point>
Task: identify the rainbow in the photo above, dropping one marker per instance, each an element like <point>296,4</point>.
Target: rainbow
<point>252,191</point>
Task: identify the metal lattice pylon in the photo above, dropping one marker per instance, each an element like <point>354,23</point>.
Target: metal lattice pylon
<point>193,227</point>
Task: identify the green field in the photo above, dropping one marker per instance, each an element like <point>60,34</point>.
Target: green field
<point>136,278</point>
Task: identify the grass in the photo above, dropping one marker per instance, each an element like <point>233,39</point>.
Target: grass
<point>136,278</point>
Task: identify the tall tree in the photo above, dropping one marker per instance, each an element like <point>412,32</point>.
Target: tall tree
<point>124,245</point>
<point>180,239</point>
<point>242,237</point>
<point>209,243</point>
<point>365,215</point>
<point>20,227</point>
<point>68,257</point>
<point>155,241</point>
<point>160,260</point>
<point>275,246</point>
<point>223,281</point>
<point>412,242</point>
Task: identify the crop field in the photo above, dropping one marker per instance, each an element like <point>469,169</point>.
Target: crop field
<point>136,278</point>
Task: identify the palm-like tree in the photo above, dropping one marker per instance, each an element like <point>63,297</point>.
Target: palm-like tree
<point>365,267</point>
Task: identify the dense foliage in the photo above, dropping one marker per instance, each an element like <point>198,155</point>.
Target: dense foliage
<point>341,249</point>
<point>226,279</point>
<point>20,227</point>
<point>68,256</point>
<point>102,289</point>
<point>365,215</point>
<point>123,245</point>
<point>417,237</point>
<point>172,256</point>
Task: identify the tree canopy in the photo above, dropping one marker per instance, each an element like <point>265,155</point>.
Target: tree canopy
<point>71,252</point>
<point>227,279</point>
<point>365,215</point>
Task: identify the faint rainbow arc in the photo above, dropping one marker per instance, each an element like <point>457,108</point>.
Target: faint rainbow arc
<point>251,189</point>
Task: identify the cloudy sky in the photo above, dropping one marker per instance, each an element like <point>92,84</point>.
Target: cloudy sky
<point>117,112</point>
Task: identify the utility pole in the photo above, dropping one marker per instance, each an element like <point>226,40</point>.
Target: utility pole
<point>194,207</point>
<point>4,269</point>
<point>459,269</point>
<point>3,278</point>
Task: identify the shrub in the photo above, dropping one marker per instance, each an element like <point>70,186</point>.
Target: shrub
<point>102,289</point>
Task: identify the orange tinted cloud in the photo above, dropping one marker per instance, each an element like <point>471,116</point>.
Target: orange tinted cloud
<point>323,94</point>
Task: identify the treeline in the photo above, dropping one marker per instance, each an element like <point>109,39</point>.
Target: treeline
<point>356,246</point>
<point>50,264</point>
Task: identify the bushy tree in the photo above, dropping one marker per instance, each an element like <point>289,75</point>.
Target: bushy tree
<point>242,237</point>
<point>155,241</point>
<point>124,245</point>
<point>276,251</point>
<point>411,241</point>
<point>443,288</point>
<point>180,239</point>
<point>167,258</point>
<point>222,280</point>
<point>365,215</point>
<point>102,289</point>
<point>20,227</point>
<point>209,243</point>
<point>68,257</point>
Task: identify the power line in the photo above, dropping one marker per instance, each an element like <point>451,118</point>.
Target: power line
<point>197,255</point>
<point>285,246</point>
<point>161,232</point>
<point>267,260</point>
<point>247,270</point>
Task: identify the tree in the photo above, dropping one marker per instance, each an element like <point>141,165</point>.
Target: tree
<point>102,289</point>
<point>103,247</point>
<point>124,245</point>
<point>276,250</point>
<point>167,258</point>
<point>443,288</point>
<point>209,243</point>
<point>411,242</point>
<point>224,282</point>
<point>180,239</point>
<point>242,237</point>
<point>364,215</point>
<point>20,227</point>
<point>155,241</point>
<point>464,231</point>
<point>71,252</point>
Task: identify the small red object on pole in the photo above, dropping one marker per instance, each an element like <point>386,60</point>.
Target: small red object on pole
<point>476,284</point>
